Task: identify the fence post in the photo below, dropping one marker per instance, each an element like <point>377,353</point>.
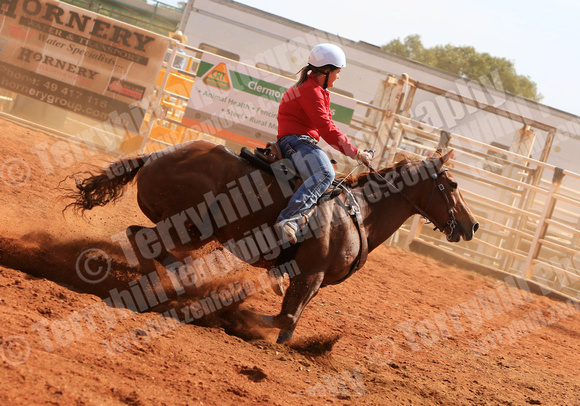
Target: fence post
<point>414,231</point>
<point>390,104</point>
<point>542,225</point>
<point>154,109</point>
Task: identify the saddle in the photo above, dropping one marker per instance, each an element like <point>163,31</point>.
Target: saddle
<point>270,159</point>
<point>271,153</point>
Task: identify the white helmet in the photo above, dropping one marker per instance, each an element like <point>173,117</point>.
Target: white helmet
<point>327,54</point>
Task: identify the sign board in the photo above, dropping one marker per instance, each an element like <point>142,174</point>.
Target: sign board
<point>78,60</point>
<point>238,102</point>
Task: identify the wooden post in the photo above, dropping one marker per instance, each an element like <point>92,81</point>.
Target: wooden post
<point>414,231</point>
<point>542,225</point>
<point>387,138</point>
<point>444,140</point>
<point>522,144</point>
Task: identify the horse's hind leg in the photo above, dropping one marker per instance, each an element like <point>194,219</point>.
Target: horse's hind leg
<point>146,249</point>
<point>301,290</point>
<point>147,246</point>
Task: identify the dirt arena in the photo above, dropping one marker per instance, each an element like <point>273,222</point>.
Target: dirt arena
<point>406,329</point>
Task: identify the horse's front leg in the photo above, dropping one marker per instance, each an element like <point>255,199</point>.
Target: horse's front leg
<point>302,289</point>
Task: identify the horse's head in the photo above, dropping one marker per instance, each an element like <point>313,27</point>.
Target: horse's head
<point>444,205</point>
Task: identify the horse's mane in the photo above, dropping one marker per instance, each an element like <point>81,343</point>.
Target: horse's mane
<point>368,176</point>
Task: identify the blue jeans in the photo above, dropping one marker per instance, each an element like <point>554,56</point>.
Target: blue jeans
<point>314,167</point>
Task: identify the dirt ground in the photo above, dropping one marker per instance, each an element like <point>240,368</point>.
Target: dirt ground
<point>406,329</point>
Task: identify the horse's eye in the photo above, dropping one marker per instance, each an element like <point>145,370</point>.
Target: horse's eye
<point>453,185</point>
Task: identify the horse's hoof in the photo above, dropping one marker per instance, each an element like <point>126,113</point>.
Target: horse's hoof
<point>278,285</point>
<point>284,336</point>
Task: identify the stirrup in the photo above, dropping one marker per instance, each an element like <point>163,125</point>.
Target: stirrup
<point>289,233</point>
<point>277,283</point>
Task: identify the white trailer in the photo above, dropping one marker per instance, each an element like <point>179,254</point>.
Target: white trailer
<point>274,43</point>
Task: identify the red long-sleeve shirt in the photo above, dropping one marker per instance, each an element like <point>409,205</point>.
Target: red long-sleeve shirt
<point>306,111</point>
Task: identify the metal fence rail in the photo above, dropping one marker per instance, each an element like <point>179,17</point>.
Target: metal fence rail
<point>528,212</point>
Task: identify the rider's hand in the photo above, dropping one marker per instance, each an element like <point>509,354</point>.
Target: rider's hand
<point>364,157</point>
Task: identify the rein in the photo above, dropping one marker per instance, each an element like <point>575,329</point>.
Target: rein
<point>451,223</point>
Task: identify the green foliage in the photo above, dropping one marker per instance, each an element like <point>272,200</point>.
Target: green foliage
<point>466,62</point>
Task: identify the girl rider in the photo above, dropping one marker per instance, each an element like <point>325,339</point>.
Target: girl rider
<point>303,117</point>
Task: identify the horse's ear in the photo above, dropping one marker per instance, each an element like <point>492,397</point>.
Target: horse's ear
<point>449,155</point>
<point>439,160</point>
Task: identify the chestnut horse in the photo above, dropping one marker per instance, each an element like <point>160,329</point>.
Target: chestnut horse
<point>198,192</point>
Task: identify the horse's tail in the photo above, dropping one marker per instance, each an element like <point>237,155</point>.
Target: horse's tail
<point>105,186</point>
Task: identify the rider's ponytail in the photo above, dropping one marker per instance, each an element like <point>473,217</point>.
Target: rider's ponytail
<point>303,75</point>
<point>305,71</point>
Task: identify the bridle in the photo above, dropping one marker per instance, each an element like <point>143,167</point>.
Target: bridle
<point>451,223</point>
<point>353,209</point>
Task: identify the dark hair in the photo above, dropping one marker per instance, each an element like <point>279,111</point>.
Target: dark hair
<point>305,71</point>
